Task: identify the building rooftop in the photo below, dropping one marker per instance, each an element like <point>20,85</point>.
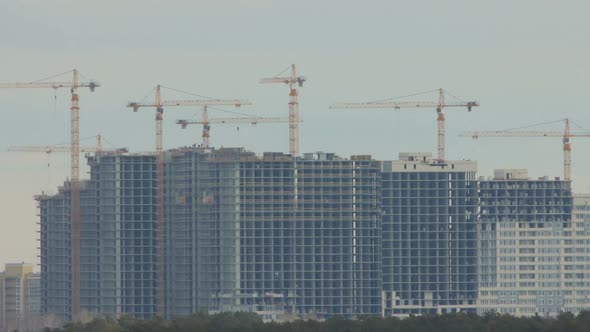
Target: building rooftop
<point>424,162</point>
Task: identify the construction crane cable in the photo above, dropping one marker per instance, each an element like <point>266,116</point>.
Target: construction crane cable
<point>61,144</point>
<point>406,96</point>
<point>85,77</point>
<point>185,92</point>
<point>45,79</point>
<point>89,137</point>
<point>533,125</point>
<point>284,70</point>
<point>69,143</point>
<point>579,126</point>
<point>447,93</point>
<point>149,94</point>
<point>228,111</point>
<point>109,143</point>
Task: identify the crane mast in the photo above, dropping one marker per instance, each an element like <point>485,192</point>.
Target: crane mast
<point>293,81</point>
<point>76,210</point>
<point>74,84</point>
<point>565,135</point>
<point>159,105</point>
<point>567,152</point>
<point>440,107</point>
<point>160,204</point>
<point>206,122</point>
<point>440,121</point>
<point>206,128</point>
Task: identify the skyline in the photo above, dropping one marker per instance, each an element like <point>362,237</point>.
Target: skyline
<point>527,70</point>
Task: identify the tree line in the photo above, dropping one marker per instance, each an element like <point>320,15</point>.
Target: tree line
<point>249,322</point>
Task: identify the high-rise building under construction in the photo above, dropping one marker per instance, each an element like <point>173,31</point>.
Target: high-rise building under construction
<point>429,235</point>
<point>118,251</point>
<point>273,234</point>
<point>316,235</point>
<point>533,249</point>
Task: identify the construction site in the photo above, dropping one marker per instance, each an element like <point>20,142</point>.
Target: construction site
<point>306,234</point>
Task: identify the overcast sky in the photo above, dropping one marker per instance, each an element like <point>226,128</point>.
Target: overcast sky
<point>526,62</point>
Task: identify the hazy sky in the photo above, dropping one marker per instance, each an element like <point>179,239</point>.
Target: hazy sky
<point>526,62</point>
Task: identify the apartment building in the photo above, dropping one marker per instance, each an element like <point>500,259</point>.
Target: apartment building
<point>18,296</point>
<point>118,234</point>
<point>317,236</point>
<point>273,234</point>
<point>429,236</point>
<point>533,254</point>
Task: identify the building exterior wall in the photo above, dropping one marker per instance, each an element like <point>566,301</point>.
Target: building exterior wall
<point>34,294</point>
<point>526,242</point>
<point>273,234</point>
<point>118,241</point>
<point>55,252</point>
<point>192,231</point>
<point>125,191</point>
<point>429,236</point>
<point>2,315</point>
<point>316,235</point>
<point>55,245</point>
<point>577,258</point>
<point>338,235</point>
<point>14,302</point>
<point>15,296</point>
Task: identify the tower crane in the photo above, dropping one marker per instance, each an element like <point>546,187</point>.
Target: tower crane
<point>565,135</point>
<point>439,105</point>
<point>49,149</point>
<point>74,84</point>
<point>206,122</point>
<point>159,105</point>
<point>293,81</point>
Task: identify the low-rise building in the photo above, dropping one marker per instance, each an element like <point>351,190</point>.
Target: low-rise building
<point>16,296</point>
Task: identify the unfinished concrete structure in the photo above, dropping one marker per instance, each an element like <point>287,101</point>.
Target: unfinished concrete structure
<point>118,272</point>
<point>526,241</point>
<point>273,234</point>
<point>192,231</point>
<point>55,252</point>
<point>317,235</point>
<point>429,235</point>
